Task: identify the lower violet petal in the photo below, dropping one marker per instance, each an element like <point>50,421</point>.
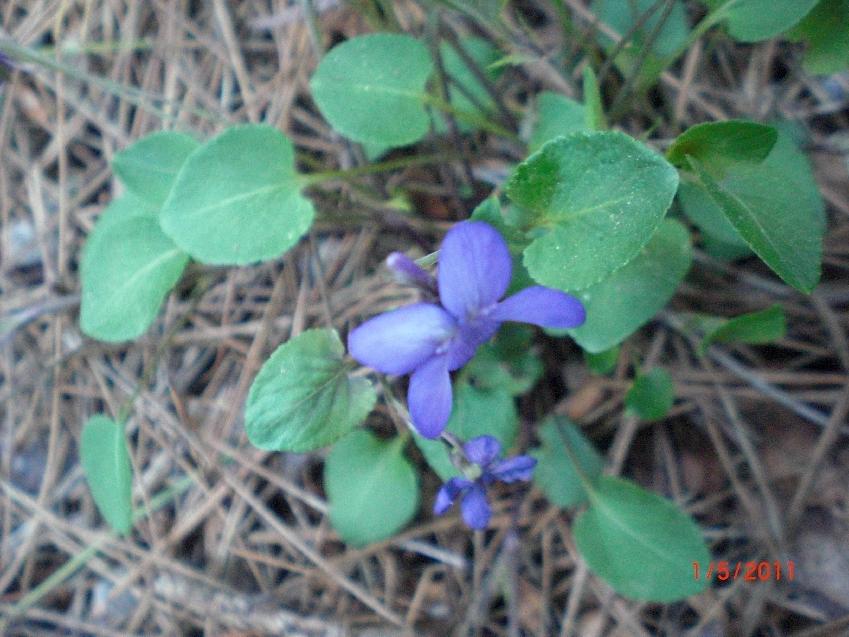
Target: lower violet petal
<point>475,508</point>
<point>541,306</point>
<point>429,397</point>
<point>448,494</point>
<point>518,468</point>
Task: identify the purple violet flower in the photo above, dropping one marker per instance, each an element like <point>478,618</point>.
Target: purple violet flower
<point>483,452</point>
<point>429,340</point>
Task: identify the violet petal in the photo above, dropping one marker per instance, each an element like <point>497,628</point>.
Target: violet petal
<point>541,306</point>
<point>475,508</point>
<point>399,341</point>
<point>474,268</point>
<point>482,450</point>
<point>408,271</point>
<point>448,494</point>
<point>513,469</point>
<point>429,397</point>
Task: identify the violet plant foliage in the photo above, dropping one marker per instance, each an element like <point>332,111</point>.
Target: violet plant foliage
<point>483,454</point>
<point>430,340</point>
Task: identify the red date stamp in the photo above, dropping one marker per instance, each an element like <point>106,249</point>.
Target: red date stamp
<point>762,571</point>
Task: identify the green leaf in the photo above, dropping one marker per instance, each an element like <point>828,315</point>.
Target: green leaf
<point>720,144</point>
<point>555,474</point>
<point>475,412</point>
<point>719,249</point>
<point>303,398</point>
<point>594,118</point>
<point>128,266</point>
<point>149,167</point>
<point>776,208</point>
<point>753,328</point>
<point>484,55</point>
<point>372,488</point>
<point>701,209</point>
<point>756,20</point>
<point>641,544</point>
<point>556,115</point>
<point>237,199</point>
<point>826,31</point>
<point>663,44</point>
<point>620,304</point>
<point>107,468</point>
<point>596,199</point>
<point>652,394</point>
<point>371,88</point>
<point>602,362</point>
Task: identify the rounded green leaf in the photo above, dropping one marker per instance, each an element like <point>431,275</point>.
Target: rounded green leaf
<point>719,144</point>
<point>703,211</point>
<point>595,199</point>
<point>128,266</point>
<point>555,473</point>
<point>372,488</point>
<point>475,412</point>
<point>148,167</point>
<point>756,20</point>
<point>556,115</point>
<point>776,208</point>
<point>106,464</point>
<point>628,298</point>
<point>826,31</point>
<point>371,88</point>
<point>303,398</point>
<point>237,199</point>
<point>652,394</point>
<point>641,544</point>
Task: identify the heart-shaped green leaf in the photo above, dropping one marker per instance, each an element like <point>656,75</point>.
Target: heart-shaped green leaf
<point>593,200</point>
<point>641,544</point>
<point>107,468</point>
<point>776,208</point>
<point>371,88</point>
<point>128,266</point>
<point>148,167</point>
<point>826,31</point>
<point>621,303</point>
<point>372,488</point>
<point>237,200</point>
<point>303,398</point>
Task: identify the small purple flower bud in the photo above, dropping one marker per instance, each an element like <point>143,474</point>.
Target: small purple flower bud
<point>408,272</point>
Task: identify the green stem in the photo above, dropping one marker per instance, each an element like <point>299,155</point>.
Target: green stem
<point>370,169</point>
<point>470,118</point>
